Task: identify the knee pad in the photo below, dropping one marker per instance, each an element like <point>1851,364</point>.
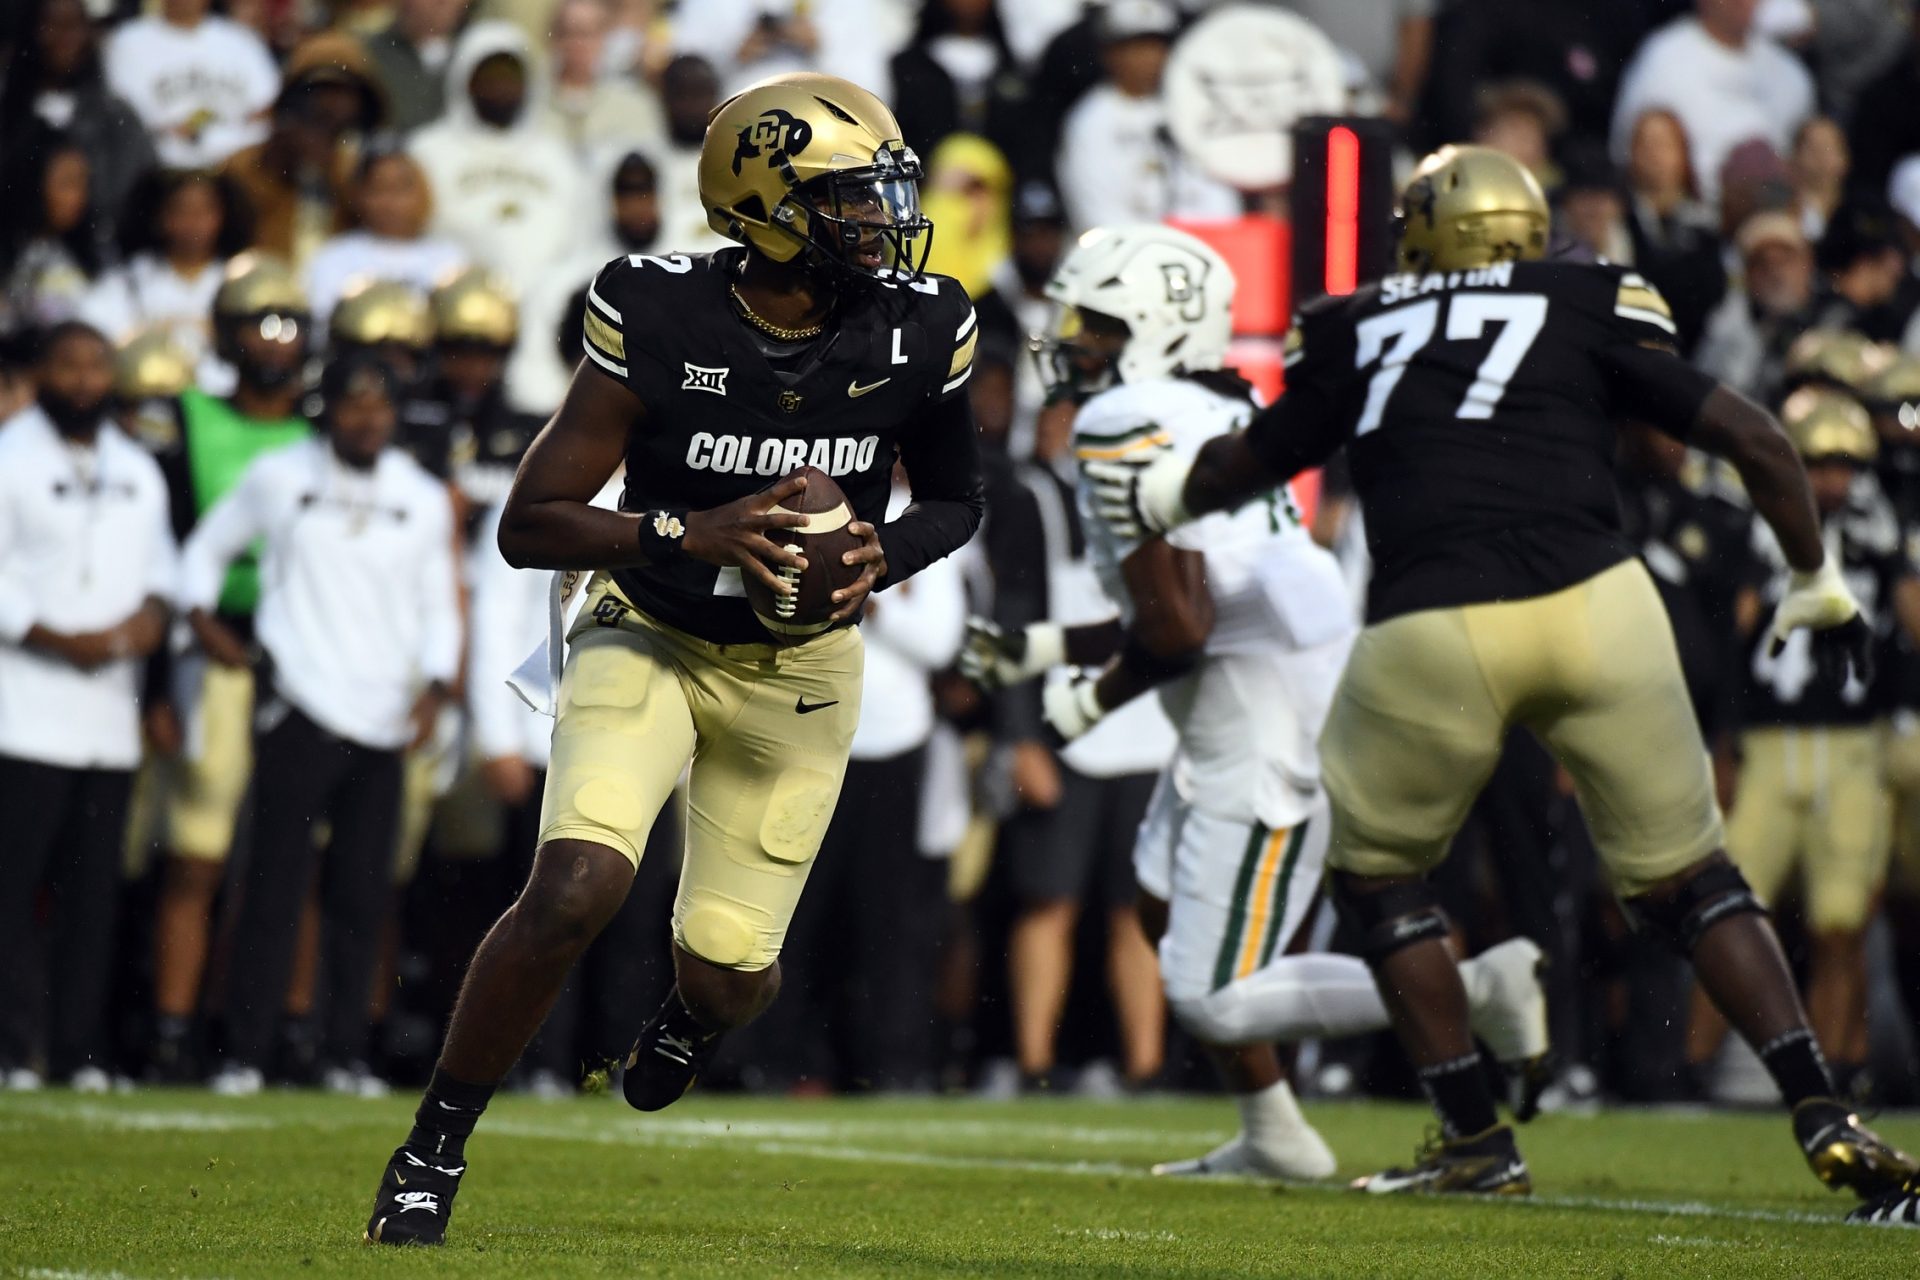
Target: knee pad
<point>1217,1018</point>
<point>1386,920</point>
<point>1705,898</point>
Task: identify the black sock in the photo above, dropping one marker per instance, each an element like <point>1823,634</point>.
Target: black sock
<point>447,1115</point>
<point>1458,1091</point>
<point>676,1020</point>
<point>1794,1062</point>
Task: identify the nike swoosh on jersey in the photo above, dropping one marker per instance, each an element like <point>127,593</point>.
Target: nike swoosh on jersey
<point>801,707</point>
<point>855,390</point>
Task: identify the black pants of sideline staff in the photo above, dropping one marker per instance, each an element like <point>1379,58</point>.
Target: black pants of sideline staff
<point>60,829</point>
<point>305,776</point>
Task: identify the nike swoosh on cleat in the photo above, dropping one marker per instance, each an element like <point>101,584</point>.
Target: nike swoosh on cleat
<point>399,1181</point>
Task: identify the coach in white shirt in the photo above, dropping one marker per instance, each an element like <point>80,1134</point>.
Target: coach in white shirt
<point>359,620</point>
<point>86,565</point>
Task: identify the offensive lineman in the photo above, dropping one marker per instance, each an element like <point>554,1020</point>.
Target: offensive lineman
<point>1477,392</point>
<point>712,376</point>
<point>1242,624</point>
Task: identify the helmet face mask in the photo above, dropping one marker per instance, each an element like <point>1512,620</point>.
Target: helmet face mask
<point>1081,357</point>
<point>864,221</point>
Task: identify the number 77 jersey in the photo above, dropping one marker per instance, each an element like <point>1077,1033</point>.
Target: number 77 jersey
<point>1478,408</point>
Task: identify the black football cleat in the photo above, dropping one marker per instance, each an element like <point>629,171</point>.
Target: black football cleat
<point>415,1200</point>
<point>1899,1207</point>
<point>1487,1164</point>
<point>1842,1152</point>
<point>668,1057</point>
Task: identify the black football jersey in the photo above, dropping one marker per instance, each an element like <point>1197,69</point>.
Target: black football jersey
<point>1478,408</point>
<point>723,420</point>
<point>1781,689</point>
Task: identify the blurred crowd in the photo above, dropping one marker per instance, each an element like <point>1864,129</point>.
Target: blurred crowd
<point>287,288</point>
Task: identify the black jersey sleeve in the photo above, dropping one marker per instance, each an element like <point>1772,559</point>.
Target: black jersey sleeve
<point>942,457</point>
<point>1655,386</point>
<point>1308,423</point>
<point>631,304</point>
<point>953,332</point>
<point>603,325</point>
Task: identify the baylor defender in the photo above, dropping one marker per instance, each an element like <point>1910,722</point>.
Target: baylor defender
<point>820,342</point>
<point>1476,393</point>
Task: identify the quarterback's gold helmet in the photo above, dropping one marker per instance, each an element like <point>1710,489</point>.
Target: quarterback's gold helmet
<point>151,365</point>
<point>1829,424</point>
<point>1836,357</point>
<point>258,284</point>
<point>811,167</point>
<point>475,306</point>
<point>1470,207</point>
<point>374,312</point>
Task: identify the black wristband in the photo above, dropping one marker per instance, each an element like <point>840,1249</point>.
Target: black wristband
<point>661,531</point>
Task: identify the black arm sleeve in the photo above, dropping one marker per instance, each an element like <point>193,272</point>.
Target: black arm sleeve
<point>1299,431</point>
<point>942,458</point>
<point>1655,386</point>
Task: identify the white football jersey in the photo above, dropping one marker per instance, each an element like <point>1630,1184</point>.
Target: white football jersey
<point>1249,716</point>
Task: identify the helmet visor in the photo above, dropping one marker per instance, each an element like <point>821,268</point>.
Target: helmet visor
<point>870,220</point>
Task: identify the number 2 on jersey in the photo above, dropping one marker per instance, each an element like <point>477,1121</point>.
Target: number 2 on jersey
<point>1394,337</point>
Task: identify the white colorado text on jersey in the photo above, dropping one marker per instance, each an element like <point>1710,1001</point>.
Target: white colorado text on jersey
<point>1249,716</point>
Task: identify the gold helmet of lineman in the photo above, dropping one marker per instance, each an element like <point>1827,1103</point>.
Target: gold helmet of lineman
<point>1470,207</point>
<point>812,168</point>
<point>151,365</point>
<point>475,306</point>
<point>261,294</point>
<point>1824,423</point>
<point>1836,357</point>
<point>376,312</point>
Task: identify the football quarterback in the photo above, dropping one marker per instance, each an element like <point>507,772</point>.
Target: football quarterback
<point>819,342</point>
<point>1476,391</point>
<point>1242,625</point>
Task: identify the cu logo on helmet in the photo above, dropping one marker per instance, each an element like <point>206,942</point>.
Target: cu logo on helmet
<point>1183,288</point>
<point>774,134</point>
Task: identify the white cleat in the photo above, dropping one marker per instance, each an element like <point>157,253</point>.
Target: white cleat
<point>1304,1157</point>
<point>237,1082</point>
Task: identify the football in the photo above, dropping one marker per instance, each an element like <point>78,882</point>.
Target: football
<point>823,540</point>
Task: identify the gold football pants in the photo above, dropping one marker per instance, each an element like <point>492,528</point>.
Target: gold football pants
<point>1424,707</point>
<point>1814,800</point>
<point>762,731</point>
<point>204,792</point>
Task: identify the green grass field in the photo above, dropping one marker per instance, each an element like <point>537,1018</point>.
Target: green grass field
<point>182,1184</point>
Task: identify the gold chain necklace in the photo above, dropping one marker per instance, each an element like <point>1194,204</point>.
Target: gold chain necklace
<point>779,333</point>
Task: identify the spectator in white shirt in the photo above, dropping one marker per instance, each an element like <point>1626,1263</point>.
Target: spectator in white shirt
<point>590,108</point>
<point>201,83</point>
<point>689,90</point>
<point>748,40</point>
<point>1723,81</point>
<point>861,953</point>
<point>175,252</point>
<point>505,185</point>
<point>359,620</point>
<point>392,207</point>
<point>86,564</point>
<point>1117,162</point>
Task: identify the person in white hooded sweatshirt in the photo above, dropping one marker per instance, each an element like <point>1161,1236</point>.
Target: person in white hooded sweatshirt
<point>506,187</point>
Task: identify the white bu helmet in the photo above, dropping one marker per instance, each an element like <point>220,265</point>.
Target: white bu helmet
<point>1171,289</point>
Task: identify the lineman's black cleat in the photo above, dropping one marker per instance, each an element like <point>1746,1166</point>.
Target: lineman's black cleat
<point>668,1057</point>
<point>415,1200</point>
<point>1486,1164</point>
<point>1899,1207</point>
<point>1842,1152</point>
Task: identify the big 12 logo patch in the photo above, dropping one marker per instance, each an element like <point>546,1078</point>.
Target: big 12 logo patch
<point>774,134</point>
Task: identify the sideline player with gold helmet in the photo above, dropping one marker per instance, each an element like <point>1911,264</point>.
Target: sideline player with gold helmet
<point>261,328</point>
<point>1477,393</point>
<point>819,341</point>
